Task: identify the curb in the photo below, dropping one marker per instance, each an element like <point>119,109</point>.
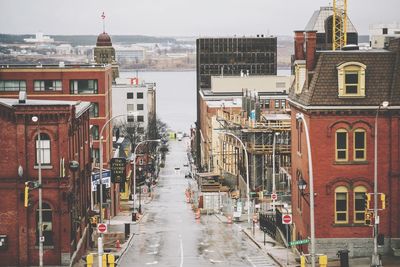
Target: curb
<point>260,247</point>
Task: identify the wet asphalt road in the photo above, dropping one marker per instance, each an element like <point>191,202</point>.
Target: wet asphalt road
<point>169,234</point>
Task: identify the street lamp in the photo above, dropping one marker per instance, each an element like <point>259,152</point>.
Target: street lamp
<point>247,174</point>
<point>273,167</point>
<point>375,257</point>
<point>300,117</point>
<point>134,170</point>
<point>39,148</point>
<point>100,239</point>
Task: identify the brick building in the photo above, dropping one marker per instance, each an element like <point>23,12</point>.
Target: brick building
<point>339,93</point>
<point>84,82</point>
<point>64,137</point>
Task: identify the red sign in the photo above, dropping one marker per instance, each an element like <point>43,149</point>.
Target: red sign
<point>102,228</point>
<point>287,219</point>
<point>274,196</point>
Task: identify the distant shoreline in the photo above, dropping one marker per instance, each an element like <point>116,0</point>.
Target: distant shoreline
<point>157,70</point>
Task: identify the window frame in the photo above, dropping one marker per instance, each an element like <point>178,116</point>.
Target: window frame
<point>342,190</point>
<point>77,91</point>
<point>130,108</point>
<point>45,151</point>
<point>129,95</point>
<point>57,85</point>
<point>364,149</point>
<point>140,118</point>
<point>20,88</point>
<point>140,95</point>
<point>359,190</point>
<point>341,130</point>
<point>95,133</point>
<point>349,68</point>
<point>139,107</point>
<point>94,110</point>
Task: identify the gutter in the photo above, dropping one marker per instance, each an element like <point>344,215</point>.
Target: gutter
<point>337,107</point>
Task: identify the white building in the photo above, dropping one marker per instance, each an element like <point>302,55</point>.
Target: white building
<point>129,96</point>
<point>381,34</point>
<point>40,38</point>
<point>130,53</point>
<point>64,49</point>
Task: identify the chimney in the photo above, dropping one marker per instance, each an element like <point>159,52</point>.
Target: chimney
<point>311,47</point>
<point>299,45</point>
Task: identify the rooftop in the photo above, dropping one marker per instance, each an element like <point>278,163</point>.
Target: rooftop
<point>61,65</point>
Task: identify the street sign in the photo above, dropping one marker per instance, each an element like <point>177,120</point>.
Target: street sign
<point>105,179</point>
<point>102,228</point>
<point>287,219</point>
<point>299,242</point>
<point>274,196</point>
<point>118,171</point>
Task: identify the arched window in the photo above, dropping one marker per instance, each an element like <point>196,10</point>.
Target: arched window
<point>360,144</point>
<point>359,204</point>
<point>341,151</point>
<point>341,205</point>
<point>47,222</point>
<point>351,79</point>
<point>43,150</point>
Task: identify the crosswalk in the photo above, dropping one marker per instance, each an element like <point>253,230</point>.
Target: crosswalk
<point>260,261</point>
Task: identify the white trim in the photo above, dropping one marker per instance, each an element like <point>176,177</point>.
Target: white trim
<point>338,107</point>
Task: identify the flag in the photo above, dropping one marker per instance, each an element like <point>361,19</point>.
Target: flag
<point>103,16</point>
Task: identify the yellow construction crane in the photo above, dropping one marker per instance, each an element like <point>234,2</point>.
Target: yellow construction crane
<point>339,38</point>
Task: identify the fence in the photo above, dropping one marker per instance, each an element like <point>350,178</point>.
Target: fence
<point>268,224</point>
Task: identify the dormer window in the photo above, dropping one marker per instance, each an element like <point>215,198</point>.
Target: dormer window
<point>351,79</point>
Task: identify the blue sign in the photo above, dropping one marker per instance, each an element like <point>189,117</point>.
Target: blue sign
<point>105,179</point>
<point>96,176</point>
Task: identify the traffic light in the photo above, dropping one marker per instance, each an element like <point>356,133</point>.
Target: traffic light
<point>368,218</point>
<point>384,201</point>
<point>367,199</point>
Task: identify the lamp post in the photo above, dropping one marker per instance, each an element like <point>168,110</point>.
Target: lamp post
<point>247,174</point>
<point>100,239</point>
<point>273,167</point>
<point>39,160</point>
<point>134,170</point>
<point>300,117</point>
<point>375,257</point>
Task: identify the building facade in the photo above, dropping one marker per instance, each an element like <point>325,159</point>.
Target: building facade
<point>64,141</point>
<point>104,53</point>
<point>91,83</point>
<point>339,94</point>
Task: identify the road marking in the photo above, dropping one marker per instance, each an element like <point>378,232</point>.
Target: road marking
<point>206,250</point>
<point>152,253</point>
<point>154,246</point>
<point>215,261</point>
<point>151,263</point>
<point>181,252</point>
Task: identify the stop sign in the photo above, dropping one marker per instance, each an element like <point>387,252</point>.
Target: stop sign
<point>102,228</point>
<point>287,219</point>
<point>274,196</point>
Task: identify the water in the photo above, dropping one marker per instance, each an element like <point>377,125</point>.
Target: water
<point>176,96</point>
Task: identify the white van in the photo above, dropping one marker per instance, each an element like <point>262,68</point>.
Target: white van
<point>179,136</point>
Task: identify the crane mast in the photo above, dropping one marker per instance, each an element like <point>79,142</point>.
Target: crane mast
<point>339,38</point>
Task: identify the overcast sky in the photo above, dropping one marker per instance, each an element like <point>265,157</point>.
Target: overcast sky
<point>181,17</point>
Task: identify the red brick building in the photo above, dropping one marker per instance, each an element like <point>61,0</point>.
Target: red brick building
<point>91,83</point>
<point>339,93</point>
<point>64,137</point>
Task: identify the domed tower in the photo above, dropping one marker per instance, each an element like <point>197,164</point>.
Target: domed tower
<point>104,53</point>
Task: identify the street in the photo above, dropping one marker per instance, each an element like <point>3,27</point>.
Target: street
<point>169,234</point>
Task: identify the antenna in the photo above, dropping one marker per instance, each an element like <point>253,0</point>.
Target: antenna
<point>103,16</point>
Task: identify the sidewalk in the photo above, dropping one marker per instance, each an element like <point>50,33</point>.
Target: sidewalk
<point>116,225</point>
<point>276,251</point>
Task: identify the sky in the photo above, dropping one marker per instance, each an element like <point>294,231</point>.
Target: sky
<point>181,17</point>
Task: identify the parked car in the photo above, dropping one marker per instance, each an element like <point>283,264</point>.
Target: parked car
<point>179,136</point>
<point>188,175</point>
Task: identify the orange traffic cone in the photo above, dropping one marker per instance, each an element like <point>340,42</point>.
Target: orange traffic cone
<point>229,219</point>
<point>197,214</point>
<point>117,244</point>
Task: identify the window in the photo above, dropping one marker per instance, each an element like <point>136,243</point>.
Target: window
<point>359,144</point>
<point>299,126</point>
<point>140,118</point>
<point>131,119</point>
<point>351,79</point>
<point>12,86</point>
<point>95,132</point>
<point>83,86</point>
<point>130,108</point>
<point>359,204</point>
<point>43,151</point>
<point>139,95</point>
<point>94,110</point>
<point>341,204</point>
<point>266,103</point>
<point>47,85</point>
<point>140,130</point>
<point>140,107</point>
<point>96,155</point>
<point>277,103</point>
<point>129,95</point>
<point>283,104</point>
<point>341,145</point>
<point>47,221</point>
